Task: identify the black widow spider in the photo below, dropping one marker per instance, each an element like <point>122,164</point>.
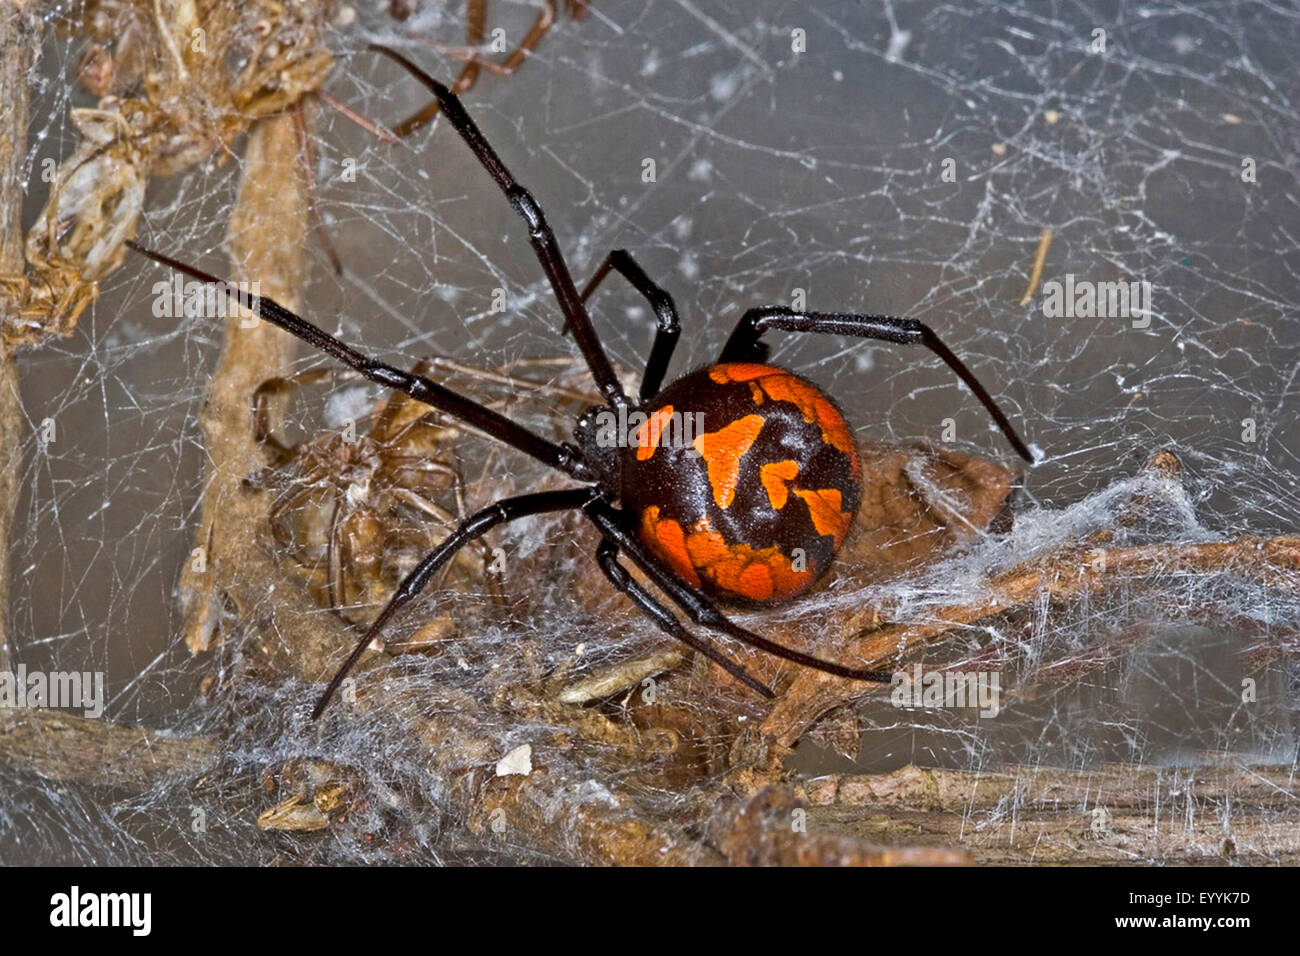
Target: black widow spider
<point>710,517</point>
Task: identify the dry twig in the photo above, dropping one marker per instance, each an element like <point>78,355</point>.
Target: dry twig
<point>1112,815</point>
<point>19,37</point>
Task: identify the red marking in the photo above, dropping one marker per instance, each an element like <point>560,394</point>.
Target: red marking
<point>665,538</point>
<point>781,386</point>
<point>824,507</point>
<point>756,582</point>
<point>814,406</point>
<point>722,451</point>
<point>759,574</point>
<point>741,372</point>
<point>647,435</point>
<point>774,476</point>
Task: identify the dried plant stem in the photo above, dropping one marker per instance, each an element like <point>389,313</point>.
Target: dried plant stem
<point>1040,259</point>
<point>618,829</point>
<point>72,749</point>
<point>912,788</point>
<point>232,566</point>
<point>1113,815</point>
<point>19,38</point>
<point>1068,573</point>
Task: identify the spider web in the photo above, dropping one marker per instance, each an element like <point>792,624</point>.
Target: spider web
<point>775,171</point>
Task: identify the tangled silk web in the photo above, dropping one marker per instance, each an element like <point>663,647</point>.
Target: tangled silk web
<point>776,173</point>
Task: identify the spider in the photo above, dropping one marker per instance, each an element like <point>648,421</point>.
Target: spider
<point>355,511</point>
<point>750,511</point>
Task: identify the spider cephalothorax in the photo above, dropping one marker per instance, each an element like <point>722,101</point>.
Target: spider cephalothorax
<point>736,482</point>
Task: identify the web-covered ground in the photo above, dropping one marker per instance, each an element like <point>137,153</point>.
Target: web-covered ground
<point>774,171</point>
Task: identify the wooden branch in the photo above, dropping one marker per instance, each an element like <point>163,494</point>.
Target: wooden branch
<point>20,34</point>
<point>1114,815</point>
<point>578,803</point>
<point>61,746</point>
<point>774,828</point>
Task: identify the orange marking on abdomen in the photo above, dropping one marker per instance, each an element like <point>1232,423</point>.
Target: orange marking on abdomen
<point>666,539</point>
<point>755,582</point>
<point>739,372</point>
<point>722,451</point>
<point>759,574</point>
<point>781,386</point>
<point>647,435</point>
<point>706,546</point>
<point>814,407</point>
<point>774,476</point>
<point>824,507</point>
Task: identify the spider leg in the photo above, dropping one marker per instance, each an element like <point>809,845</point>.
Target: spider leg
<point>744,346</point>
<point>475,19</point>
<point>607,558</point>
<point>431,508</point>
<point>700,609</point>
<point>540,234</point>
<point>668,328</point>
<point>470,529</point>
<point>277,387</point>
<point>307,164</point>
<point>474,22</point>
<point>494,576</point>
<point>561,457</point>
<point>334,590</point>
<point>348,113</point>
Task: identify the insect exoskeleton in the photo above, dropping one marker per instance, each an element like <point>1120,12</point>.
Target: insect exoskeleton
<point>744,480</point>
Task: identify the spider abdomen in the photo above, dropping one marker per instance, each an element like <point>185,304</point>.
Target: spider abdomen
<point>743,481</point>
